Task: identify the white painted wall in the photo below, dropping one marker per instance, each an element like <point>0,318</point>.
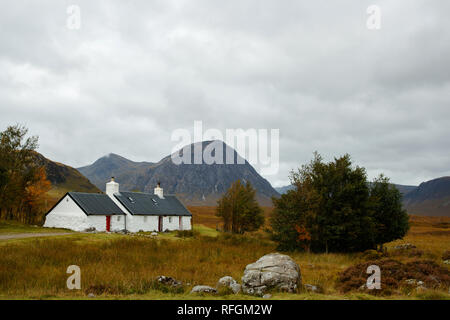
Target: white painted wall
<point>186,223</point>
<point>145,223</point>
<point>67,214</point>
<point>118,223</point>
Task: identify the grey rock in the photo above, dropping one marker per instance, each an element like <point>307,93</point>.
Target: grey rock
<point>169,281</point>
<point>226,281</point>
<point>273,271</point>
<point>154,234</point>
<point>91,295</point>
<point>446,261</point>
<point>267,296</point>
<point>405,246</point>
<point>313,288</point>
<point>203,289</point>
<point>229,282</point>
<point>236,288</point>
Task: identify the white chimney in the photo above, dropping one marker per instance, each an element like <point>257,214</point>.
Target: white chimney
<point>159,191</point>
<point>112,187</point>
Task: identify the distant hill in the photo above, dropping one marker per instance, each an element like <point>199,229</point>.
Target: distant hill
<point>196,184</point>
<point>64,178</point>
<point>431,198</point>
<point>283,190</point>
<point>405,189</point>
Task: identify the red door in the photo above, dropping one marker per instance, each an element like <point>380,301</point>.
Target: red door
<point>180,222</point>
<point>160,224</point>
<point>108,223</point>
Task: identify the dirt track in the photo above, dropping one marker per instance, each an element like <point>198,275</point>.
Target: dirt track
<point>31,235</point>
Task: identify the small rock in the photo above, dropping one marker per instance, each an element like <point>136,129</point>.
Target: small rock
<point>154,234</point>
<point>226,281</point>
<point>229,282</point>
<point>411,282</point>
<point>405,246</point>
<point>446,261</point>
<point>312,288</point>
<point>267,296</point>
<point>91,295</point>
<point>203,289</point>
<point>169,281</point>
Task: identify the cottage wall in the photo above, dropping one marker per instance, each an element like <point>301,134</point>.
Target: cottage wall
<point>145,223</point>
<point>186,223</point>
<point>67,215</point>
<point>118,222</point>
<point>99,222</point>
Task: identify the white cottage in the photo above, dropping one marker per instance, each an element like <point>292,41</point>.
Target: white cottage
<point>115,211</point>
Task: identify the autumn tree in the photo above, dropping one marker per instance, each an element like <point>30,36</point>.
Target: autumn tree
<point>22,181</point>
<point>239,209</point>
<point>35,197</point>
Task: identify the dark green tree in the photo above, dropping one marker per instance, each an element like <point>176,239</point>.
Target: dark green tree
<point>391,220</point>
<point>331,208</point>
<point>239,209</point>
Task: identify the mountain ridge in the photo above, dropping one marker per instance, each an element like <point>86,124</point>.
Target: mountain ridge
<point>63,178</point>
<point>195,184</point>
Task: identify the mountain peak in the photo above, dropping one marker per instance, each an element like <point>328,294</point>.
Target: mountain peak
<point>196,183</point>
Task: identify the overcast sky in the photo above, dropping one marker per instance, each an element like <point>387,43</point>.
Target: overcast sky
<point>137,70</point>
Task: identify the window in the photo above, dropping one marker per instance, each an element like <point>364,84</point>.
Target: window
<point>118,218</point>
<point>170,219</point>
<point>145,219</point>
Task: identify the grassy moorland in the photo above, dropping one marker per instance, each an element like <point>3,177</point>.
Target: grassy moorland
<point>117,266</point>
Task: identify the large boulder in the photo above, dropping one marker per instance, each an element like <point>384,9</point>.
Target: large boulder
<point>273,271</point>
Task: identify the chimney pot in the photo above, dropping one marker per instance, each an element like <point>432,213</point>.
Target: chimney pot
<point>159,191</point>
<point>112,187</point>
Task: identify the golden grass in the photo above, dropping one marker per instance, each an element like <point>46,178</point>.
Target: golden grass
<point>12,227</point>
<point>120,266</point>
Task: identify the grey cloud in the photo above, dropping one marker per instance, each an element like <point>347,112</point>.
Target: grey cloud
<point>137,71</point>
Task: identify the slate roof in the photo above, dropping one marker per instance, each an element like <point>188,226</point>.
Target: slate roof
<point>138,203</point>
<point>95,203</point>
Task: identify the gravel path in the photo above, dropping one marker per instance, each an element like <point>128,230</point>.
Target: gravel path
<point>31,235</point>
